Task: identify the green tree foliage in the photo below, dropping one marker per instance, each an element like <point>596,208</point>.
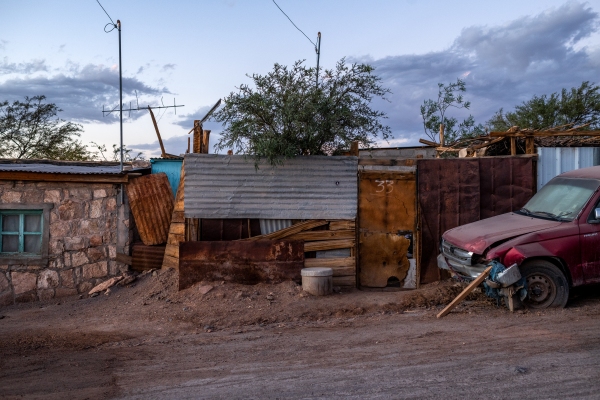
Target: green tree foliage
<point>285,114</point>
<point>31,130</point>
<point>433,113</point>
<point>578,106</point>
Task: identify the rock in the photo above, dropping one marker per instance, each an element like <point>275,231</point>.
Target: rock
<point>97,270</point>
<point>4,285</point>
<point>99,193</point>
<point>70,210</point>
<point>105,285</point>
<point>205,289</point>
<point>11,197</point>
<point>107,292</point>
<point>23,282</point>
<point>96,209</point>
<point>74,243</point>
<point>94,294</point>
<point>79,259</point>
<point>127,279</point>
<point>47,279</point>
<point>52,196</point>
<point>95,240</point>
<point>270,297</point>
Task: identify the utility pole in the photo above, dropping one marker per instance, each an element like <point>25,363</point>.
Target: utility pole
<point>318,50</point>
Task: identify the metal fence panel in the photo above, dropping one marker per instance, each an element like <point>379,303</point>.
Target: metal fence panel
<point>554,161</point>
<point>314,187</point>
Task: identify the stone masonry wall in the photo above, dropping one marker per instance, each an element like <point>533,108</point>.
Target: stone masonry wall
<point>82,244</point>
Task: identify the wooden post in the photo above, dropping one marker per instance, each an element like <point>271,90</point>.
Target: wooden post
<point>188,148</point>
<point>354,148</point>
<point>513,146</point>
<point>197,137</point>
<point>162,147</point>
<point>465,292</point>
<point>205,141</point>
<point>529,145</point>
<point>442,143</point>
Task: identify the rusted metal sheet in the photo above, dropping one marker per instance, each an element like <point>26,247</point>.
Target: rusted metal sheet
<point>247,262</point>
<point>314,187</point>
<point>151,202</point>
<point>387,217</point>
<point>146,257</point>
<point>454,192</point>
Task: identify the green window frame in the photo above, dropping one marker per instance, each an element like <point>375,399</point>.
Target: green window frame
<point>24,233</point>
<point>28,232</point>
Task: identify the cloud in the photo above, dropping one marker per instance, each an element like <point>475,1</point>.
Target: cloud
<point>81,91</point>
<point>22,68</point>
<point>501,65</point>
<point>168,67</point>
<point>3,44</point>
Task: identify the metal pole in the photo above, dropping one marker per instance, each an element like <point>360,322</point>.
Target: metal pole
<point>120,92</point>
<point>318,55</point>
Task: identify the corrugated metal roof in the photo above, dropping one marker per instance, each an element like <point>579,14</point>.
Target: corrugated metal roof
<point>314,187</point>
<point>554,161</point>
<point>58,167</point>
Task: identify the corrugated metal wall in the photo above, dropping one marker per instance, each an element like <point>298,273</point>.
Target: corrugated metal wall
<point>314,187</point>
<point>554,161</point>
<point>454,192</point>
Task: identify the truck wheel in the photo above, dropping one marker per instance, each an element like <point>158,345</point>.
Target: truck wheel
<point>547,286</point>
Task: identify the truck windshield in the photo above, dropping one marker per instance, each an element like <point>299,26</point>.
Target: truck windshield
<point>561,198</point>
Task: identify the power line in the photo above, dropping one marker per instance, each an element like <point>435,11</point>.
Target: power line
<point>105,12</point>
<point>313,43</point>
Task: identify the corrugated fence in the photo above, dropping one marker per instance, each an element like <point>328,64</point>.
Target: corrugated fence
<point>219,186</point>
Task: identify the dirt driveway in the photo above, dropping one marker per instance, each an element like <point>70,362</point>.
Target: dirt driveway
<point>272,341</point>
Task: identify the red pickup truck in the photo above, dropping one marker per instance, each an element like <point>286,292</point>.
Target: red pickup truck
<point>554,240</point>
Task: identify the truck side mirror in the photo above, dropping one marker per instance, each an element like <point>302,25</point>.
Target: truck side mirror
<point>597,214</point>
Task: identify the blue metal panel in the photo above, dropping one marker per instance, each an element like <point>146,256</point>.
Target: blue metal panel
<point>170,167</point>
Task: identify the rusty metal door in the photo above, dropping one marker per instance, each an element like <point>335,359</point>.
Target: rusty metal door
<point>386,222</point>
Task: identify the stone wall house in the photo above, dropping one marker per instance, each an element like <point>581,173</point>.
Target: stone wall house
<point>61,227</point>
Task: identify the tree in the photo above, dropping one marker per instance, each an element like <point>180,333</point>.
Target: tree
<point>29,129</point>
<point>433,113</point>
<point>578,106</point>
<point>100,149</point>
<point>286,114</point>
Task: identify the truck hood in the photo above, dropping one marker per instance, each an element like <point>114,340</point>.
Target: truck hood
<point>478,236</point>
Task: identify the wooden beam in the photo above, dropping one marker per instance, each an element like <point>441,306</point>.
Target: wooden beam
<point>55,177</point>
<point>205,141</point>
<point>197,139</point>
<point>465,292</point>
<point>529,145</point>
<point>312,236</point>
<point>354,148</point>
<point>428,143</point>
<point>162,147</point>
<point>513,146</point>
<point>481,146</point>
<point>442,140</point>
<point>388,162</point>
<point>339,224</point>
<point>284,233</point>
<point>329,245</point>
<point>545,133</point>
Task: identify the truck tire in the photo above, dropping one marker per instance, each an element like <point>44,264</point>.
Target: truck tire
<point>547,286</point>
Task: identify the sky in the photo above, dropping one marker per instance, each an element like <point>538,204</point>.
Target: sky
<point>196,52</point>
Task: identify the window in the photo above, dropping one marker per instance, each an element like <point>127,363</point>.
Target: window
<point>24,233</point>
<point>21,232</point>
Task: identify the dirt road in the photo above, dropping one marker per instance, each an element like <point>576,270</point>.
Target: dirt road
<point>266,342</point>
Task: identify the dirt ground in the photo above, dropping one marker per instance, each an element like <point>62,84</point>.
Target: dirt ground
<point>216,340</point>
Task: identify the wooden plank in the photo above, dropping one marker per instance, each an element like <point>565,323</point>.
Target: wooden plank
<point>205,141</point>
<point>513,146</point>
<point>347,281</point>
<point>311,236</point>
<point>329,245</point>
<point>354,148</point>
<point>178,219</point>
<point>529,145</point>
<point>336,263</point>
<point>160,142</point>
<point>481,146</point>
<point>44,177</point>
<point>465,292</point>
<point>341,224</point>
<point>296,228</point>
<point>387,162</point>
<point>546,133</point>
<point>429,143</point>
<point>124,259</point>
